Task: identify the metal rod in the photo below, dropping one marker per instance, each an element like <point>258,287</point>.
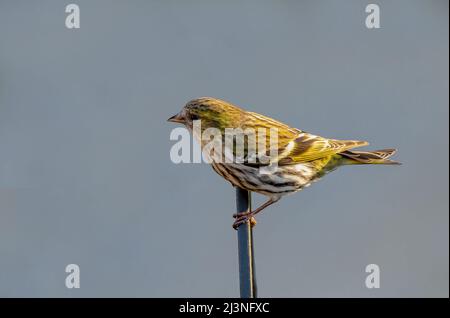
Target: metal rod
<point>247,279</point>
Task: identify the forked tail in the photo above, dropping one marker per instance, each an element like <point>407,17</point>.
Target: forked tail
<point>369,157</point>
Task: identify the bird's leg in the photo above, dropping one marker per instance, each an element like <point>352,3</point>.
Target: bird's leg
<point>259,209</point>
<point>241,214</point>
<point>249,215</point>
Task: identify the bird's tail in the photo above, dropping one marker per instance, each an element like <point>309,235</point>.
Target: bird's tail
<point>369,157</point>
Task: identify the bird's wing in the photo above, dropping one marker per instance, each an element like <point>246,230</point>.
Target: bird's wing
<point>284,134</point>
<point>307,147</point>
<point>293,145</point>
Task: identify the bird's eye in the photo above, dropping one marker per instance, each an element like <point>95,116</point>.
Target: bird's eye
<point>194,117</point>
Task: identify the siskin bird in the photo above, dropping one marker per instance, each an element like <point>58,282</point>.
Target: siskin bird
<point>301,157</point>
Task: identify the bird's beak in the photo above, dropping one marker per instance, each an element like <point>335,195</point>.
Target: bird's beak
<point>178,118</point>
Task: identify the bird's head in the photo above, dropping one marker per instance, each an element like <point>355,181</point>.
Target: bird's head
<point>211,111</point>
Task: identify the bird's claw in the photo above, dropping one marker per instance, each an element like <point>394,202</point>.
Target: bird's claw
<point>244,219</point>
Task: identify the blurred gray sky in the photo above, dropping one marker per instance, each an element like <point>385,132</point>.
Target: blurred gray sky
<point>85,173</point>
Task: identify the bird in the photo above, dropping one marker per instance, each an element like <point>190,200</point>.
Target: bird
<point>300,159</point>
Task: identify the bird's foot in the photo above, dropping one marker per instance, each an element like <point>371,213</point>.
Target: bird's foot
<point>247,217</point>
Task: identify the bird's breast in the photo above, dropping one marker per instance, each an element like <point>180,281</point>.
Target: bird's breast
<point>268,180</point>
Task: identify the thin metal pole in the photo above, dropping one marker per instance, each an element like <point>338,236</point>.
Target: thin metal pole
<point>247,279</point>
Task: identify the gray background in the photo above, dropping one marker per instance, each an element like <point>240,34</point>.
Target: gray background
<point>85,173</point>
